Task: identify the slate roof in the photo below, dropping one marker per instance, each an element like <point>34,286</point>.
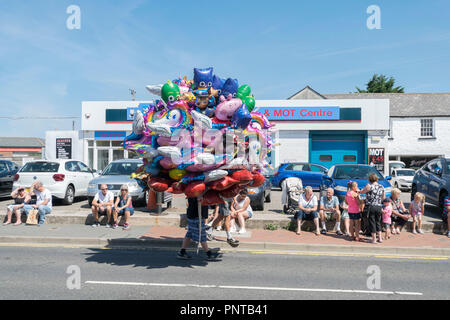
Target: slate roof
<point>401,104</point>
<point>21,142</point>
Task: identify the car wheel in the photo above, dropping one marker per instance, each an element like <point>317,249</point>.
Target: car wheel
<point>268,197</point>
<point>70,195</point>
<point>441,200</point>
<point>261,204</point>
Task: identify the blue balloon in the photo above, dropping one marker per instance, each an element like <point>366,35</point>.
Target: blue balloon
<point>241,118</point>
<point>203,78</point>
<point>230,87</point>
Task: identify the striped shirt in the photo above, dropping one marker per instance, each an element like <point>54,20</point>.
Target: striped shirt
<point>446,204</point>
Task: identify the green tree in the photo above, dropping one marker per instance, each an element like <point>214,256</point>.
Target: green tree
<point>381,84</point>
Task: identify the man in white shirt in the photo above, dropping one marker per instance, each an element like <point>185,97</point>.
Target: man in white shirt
<point>43,201</point>
<point>103,201</point>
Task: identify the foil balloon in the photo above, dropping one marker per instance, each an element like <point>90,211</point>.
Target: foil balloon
<point>170,92</point>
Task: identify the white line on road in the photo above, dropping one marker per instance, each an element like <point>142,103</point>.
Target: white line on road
<point>251,288</point>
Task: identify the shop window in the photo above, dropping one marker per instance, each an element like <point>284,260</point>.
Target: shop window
<point>103,143</point>
<point>349,158</point>
<point>116,143</point>
<point>90,143</point>
<point>325,158</point>
<point>426,128</point>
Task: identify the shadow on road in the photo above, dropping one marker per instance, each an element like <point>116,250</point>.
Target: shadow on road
<point>150,258</point>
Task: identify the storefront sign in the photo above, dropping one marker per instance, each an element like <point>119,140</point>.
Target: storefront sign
<point>64,148</point>
<point>300,113</point>
<point>131,111</point>
<point>110,135</point>
<point>376,158</point>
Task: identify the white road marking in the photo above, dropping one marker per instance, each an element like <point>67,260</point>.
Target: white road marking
<point>252,288</point>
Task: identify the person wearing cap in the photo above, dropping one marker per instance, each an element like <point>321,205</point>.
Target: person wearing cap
<point>123,207</point>
<point>103,202</point>
<point>21,198</point>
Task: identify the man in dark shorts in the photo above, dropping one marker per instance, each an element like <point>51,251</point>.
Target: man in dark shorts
<point>224,212</point>
<point>193,231</point>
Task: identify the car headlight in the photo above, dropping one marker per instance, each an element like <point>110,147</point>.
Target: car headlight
<point>340,188</point>
<point>252,190</point>
<point>92,186</point>
<point>133,184</point>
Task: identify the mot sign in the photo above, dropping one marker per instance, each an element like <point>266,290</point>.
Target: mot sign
<point>63,148</point>
<point>376,158</point>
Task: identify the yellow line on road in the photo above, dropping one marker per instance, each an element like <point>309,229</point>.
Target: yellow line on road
<point>373,255</point>
<point>225,250</point>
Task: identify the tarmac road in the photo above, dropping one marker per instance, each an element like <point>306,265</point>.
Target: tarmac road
<point>40,272</point>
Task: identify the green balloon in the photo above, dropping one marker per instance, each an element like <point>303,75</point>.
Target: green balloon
<point>249,102</point>
<point>243,91</point>
<point>170,92</point>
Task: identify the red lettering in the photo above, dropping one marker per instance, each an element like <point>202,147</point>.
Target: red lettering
<point>277,113</point>
<point>302,112</point>
<point>329,113</point>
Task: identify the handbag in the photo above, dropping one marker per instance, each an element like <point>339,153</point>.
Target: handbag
<point>32,217</point>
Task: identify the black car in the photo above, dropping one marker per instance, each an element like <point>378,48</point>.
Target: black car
<point>7,171</point>
<point>258,196</point>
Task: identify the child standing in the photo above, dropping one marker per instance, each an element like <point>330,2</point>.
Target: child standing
<point>416,209</point>
<point>352,199</point>
<point>386,217</point>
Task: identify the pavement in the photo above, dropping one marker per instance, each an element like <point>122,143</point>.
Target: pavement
<point>266,230</point>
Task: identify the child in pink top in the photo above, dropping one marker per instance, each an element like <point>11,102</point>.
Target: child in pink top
<point>352,199</point>
<point>417,208</point>
<point>386,217</point>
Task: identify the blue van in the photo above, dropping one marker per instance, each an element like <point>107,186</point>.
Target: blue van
<point>339,175</point>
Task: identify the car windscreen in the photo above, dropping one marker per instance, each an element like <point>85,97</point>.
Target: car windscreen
<point>405,173</point>
<point>120,168</point>
<point>355,172</point>
<point>40,167</point>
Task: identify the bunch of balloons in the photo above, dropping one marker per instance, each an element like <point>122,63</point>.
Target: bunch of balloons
<point>202,138</point>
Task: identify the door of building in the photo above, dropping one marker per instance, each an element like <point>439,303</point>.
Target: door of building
<point>329,148</point>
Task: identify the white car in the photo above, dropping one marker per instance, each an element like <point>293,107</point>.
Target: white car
<point>402,178</point>
<point>66,179</point>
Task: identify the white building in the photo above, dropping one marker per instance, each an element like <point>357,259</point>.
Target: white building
<point>419,125</point>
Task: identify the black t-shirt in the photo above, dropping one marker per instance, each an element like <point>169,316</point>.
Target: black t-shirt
<point>192,209</point>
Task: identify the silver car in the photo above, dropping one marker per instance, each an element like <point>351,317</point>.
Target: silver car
<point>118,173</point>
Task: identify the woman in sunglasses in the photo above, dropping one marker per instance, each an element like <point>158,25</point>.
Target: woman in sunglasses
<point>123,207</point>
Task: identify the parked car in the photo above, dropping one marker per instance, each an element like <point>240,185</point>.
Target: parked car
<point>340,174</point>
<point>433,180</point>
<point>258,196</point>
<point>396,165</point>
<point>66,179</point>
<point>7,171</point>
<point>310,173</point>
<point>118,173</point>
<point>402,178</point>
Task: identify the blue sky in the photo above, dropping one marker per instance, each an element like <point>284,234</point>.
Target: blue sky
<point>277,47</point>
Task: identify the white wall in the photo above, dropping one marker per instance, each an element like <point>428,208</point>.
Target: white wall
<point>93,115</point>
<point>294,146</point>
<point>407,141</point>
<point>50,143</point>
